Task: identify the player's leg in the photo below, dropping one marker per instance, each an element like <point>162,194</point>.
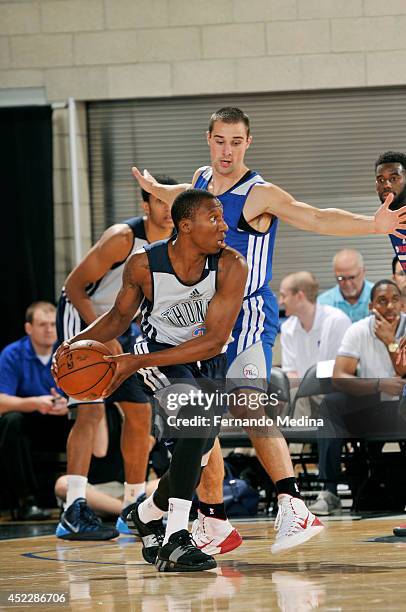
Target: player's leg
<point>212,531</point>
<point>79,522</point>
<point>135,445</point>
<point>294,523</point>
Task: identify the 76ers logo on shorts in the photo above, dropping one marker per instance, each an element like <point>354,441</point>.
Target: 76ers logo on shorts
<point>250,371</point>
<point>199,331</point>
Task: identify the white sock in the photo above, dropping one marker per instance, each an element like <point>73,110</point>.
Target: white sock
<point>132,492</point>
<point>76,488</point>
<point>178,516</point>
<point>148,511</point>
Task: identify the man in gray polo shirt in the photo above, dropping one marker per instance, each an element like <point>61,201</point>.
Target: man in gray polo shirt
<point>368,375</point>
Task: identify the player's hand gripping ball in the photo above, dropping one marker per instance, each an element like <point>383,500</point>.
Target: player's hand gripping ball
<point>82,372</point>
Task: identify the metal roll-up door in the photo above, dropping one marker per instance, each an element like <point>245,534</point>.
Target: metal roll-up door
<point>320,146</point>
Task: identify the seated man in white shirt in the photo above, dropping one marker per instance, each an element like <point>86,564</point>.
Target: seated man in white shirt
<point>312,333</point>
<point>368,373</point>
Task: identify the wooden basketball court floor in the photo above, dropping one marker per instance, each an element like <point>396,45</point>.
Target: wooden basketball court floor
<point>352,565</point>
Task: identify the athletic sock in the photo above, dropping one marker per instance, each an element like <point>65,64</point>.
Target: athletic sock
<point>217,511</point>
<point>76,488</point>
<point>178,516</point>
<point>288,486</point>
<point>132,492</point>
<point>149,511</point>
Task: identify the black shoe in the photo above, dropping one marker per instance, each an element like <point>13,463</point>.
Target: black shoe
<point>31,512</point>
<point>181,554</point>
<point>152,534</point>
<point>79,522</point>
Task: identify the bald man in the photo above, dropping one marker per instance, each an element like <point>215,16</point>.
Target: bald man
<point>352,291</point>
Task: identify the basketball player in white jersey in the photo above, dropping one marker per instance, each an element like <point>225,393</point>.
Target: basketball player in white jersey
<point>190,290</point>
<point>89,291</point>
<point>252,208</point>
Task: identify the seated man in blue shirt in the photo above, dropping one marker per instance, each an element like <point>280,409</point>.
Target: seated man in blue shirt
<point>28,404</point>
<point>352,292</point>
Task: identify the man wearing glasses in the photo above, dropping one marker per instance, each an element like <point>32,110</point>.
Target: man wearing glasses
<point>352,292</point>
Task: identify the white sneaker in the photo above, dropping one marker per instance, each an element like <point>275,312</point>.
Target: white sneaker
<point>325,504</point>
<point>294,524</point>
<point>214,536</point>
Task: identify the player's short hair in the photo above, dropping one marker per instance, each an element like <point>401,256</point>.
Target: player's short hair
<point>391,157</point>
<point>186,204</point>
<point>230,114</point>
<point>305,282</point>
<point>45,306</point>
<point>380,283</point>
<point>161,178</point>
<point>394,262</point>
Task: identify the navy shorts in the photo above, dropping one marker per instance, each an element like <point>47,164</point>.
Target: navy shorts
<point>206,376</point>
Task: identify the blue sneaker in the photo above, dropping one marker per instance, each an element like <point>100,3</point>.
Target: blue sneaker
<point>124,524</point>
<point>79,522</point>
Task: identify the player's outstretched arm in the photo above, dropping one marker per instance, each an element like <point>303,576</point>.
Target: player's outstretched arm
<point>219,322</point>
<point>166,193</point>
<point>328,221</point>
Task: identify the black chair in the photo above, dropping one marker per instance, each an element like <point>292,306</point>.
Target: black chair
<point>280,386</point>
<point>310,385</point>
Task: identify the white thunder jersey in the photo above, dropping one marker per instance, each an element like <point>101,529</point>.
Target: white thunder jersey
<point>178,310</point>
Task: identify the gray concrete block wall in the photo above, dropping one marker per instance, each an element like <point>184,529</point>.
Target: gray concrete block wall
<point>86,48</point>
<point>110,49</point>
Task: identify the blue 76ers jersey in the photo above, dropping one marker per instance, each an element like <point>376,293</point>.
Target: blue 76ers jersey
<point>258,320</point>
<point>257,247</point>
<point>399,246</point>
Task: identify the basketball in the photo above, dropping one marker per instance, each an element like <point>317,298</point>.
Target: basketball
<point>83,373</point>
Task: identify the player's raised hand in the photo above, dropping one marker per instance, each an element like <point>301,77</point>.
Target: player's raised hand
<point>146,180</point>
<point>127,364</point>
<point>390,221</point>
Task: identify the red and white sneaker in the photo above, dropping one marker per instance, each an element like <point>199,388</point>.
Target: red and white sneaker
<point>294,524</point>
<point>400,530</point>
<point>214,536</point>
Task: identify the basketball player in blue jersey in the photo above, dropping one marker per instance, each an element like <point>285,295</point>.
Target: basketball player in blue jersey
<point>252,208</point>
<point>89,291</point>
<point>390,178</point>
<point>184,285</point>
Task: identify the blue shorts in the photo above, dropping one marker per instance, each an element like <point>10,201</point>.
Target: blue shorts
<point>249,356</point>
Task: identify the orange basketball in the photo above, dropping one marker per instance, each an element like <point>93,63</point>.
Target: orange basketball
<point>83,373</point>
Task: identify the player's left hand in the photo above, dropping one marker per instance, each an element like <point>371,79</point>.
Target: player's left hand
<point>390,221</point>
<point>127,364</point>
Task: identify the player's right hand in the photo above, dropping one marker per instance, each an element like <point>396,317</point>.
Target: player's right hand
<point>127,364</point>
<point>146,180</point>
<point>60,351</point>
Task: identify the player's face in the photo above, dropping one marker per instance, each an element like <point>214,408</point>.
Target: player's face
<point>287,298</point>
<point>390,178</point>
<point>350,277</point>
<point>42,329</point>
<point>228,143</point>
<point>209,228</point>
<point>159,213</point>
<point>400,276</point>
<point>387,302</point>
